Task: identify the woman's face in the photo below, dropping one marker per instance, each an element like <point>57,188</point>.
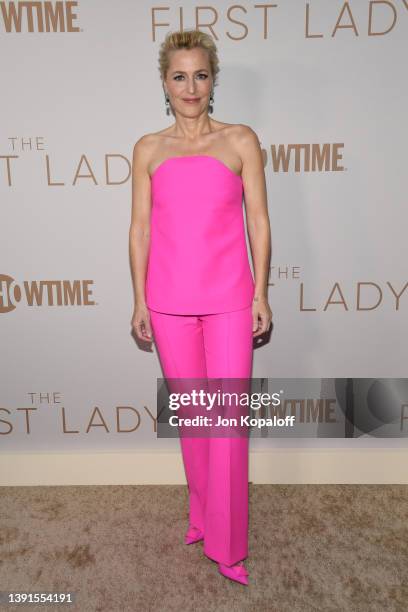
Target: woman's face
<point>189,78</point>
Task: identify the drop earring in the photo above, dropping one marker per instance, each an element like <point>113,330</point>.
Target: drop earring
<point>210,107</point>
<point>167,103</point>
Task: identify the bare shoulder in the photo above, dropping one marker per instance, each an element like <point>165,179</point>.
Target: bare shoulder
<point>242,138</point>
<point>245,136</point>
<point>247,144</point>
<point>148,145</point>
<point>154,139</point>
<point>143,144</point>
<point>143,151</point>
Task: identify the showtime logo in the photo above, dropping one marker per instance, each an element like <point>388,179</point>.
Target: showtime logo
<point>44,293</point>
<point>39,16</point>
<point>308,157</point>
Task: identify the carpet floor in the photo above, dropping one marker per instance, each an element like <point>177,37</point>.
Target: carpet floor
<point>330,548</point>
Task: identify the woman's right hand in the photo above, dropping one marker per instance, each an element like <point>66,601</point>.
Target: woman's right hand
<point>141,323</point>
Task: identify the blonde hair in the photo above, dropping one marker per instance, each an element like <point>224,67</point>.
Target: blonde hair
<point>188,39</point>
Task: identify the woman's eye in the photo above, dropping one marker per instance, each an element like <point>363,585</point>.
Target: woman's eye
<point>180,76</point>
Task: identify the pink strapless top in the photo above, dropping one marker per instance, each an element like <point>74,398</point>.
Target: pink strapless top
<point>198,259</point>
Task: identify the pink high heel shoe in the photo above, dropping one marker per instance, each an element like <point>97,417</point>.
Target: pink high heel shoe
<point>237,572</point>
<point>193,535</point>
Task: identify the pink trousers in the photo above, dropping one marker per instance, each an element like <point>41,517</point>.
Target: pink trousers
<point>212,346</point>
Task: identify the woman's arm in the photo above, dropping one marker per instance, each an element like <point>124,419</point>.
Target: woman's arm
<point>139,236</point>
<point>258,224</point>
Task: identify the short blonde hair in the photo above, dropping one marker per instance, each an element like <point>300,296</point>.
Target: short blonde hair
<point>188,39</point>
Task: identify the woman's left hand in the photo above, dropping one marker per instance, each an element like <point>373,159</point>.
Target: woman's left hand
<point>261,316</point>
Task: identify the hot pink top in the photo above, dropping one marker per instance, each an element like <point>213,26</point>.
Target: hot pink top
<point>198,260</point>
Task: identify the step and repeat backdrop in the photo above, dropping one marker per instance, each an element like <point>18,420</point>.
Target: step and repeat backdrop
<point>324,86</point>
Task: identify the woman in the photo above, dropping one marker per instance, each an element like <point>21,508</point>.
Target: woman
<point>195,295</point>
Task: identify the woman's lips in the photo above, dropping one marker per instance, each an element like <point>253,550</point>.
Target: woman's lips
<point>191,101</point>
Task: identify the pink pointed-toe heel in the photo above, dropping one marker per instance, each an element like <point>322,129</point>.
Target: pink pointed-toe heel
<point>238,572</point>
<point>193,535</point>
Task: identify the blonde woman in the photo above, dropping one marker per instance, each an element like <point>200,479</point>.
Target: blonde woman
<point>195,295</point>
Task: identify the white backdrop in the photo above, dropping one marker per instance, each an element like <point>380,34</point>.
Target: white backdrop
<point>309,77</point>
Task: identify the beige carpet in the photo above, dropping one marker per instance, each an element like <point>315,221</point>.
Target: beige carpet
<point>120,548</point>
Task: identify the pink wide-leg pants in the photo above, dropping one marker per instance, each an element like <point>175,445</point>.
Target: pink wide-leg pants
<point>212,346</point>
